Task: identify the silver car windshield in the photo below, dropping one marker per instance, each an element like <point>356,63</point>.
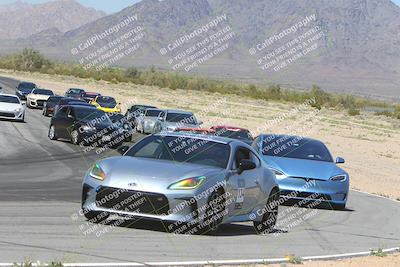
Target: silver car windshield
<point>182,149</point>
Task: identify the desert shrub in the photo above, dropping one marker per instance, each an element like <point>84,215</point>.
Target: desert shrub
<point>32,60</point>
<point>353,111</point>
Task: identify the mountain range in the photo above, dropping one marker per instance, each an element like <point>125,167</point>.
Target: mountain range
<point>21,20</point>
<point>356,52</point>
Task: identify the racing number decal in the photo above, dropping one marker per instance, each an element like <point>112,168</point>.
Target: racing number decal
<point>240,194</point>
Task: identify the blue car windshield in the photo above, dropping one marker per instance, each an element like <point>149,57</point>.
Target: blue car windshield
<point>295,147</point>
<point>182,149</point>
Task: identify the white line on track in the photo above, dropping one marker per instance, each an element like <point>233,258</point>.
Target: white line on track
<point>218,262</point>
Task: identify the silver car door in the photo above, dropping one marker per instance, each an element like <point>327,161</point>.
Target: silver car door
<point>245,187</point>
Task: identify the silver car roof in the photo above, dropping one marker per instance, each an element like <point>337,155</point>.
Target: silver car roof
<point>212,138</point>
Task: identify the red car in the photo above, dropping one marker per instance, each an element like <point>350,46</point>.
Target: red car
<point>233,132</point>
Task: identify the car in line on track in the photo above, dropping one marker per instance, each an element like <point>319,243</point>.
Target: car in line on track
<point>106,104</point>
<point>305,169</point>
<point>85,126</point>
<point>191,183</point>
<point>50,104</point>
<point>38,97</point>
<point>233,132</point>
<point>146,123</point>
<point>11,108</point>
<point>65,102</point>
<point>120,121</point>
<point>74,93</point>
<point>134,113</point>
<point>89,96</point>
<point>23,89</point>
<point>170,120</point>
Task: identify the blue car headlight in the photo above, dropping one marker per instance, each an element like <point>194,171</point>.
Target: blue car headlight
<point>339,178</point>
<point>279,174</point>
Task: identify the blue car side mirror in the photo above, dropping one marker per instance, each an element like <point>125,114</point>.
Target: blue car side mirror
<point>340,160</point>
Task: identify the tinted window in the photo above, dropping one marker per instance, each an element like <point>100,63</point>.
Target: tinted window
<point>91,115</point>
<point>74,91</point>
<point>54,100</point>
<point>89,95</point>
<point>42,92</point>
<point>9,99</point>
<point>154,113</point>
<point>186,118</point>
<point>106,102</point>
<point>26,86</point>
<point>295,147</point>
<point>182,149</point>
<point>63,112</point>
<point>234,134</point>
<point>66,101</point>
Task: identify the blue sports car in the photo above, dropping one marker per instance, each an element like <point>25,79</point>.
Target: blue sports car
<point>304,169</point>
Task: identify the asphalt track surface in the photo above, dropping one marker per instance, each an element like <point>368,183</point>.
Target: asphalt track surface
<point>40,191</point>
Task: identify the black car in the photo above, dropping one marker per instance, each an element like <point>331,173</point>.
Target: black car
<point>23,89</point>
<point>81,103</point>
<point>85,126</point>
<point>65,102</point>
<point>74,92</point>
<point>50,104</point>
<point>89,96</point>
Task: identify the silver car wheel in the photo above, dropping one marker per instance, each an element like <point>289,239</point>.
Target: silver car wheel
<point>75,137</point>
<point>216,207</point>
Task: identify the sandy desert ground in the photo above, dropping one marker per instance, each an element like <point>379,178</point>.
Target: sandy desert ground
<point>370,144</point>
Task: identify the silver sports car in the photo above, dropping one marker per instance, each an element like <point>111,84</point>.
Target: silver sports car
<point>147,122</point>
<point>191,183</point>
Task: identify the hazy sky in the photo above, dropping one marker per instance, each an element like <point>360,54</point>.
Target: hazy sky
<point>109,6</point>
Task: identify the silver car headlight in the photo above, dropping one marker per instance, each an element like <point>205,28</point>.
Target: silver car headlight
<point>339,178</point>
<point>18,110</point>
<point>188,183</point>
<point>97,173</point>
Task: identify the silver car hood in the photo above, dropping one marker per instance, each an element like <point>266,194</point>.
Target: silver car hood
<point>149,175</point>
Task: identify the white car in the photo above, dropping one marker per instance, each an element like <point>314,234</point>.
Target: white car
<point>38,97</point>
<point>11,107</point>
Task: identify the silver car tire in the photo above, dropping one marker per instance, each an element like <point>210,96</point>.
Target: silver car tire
<point>268,222</point>
<point>215,207</point>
